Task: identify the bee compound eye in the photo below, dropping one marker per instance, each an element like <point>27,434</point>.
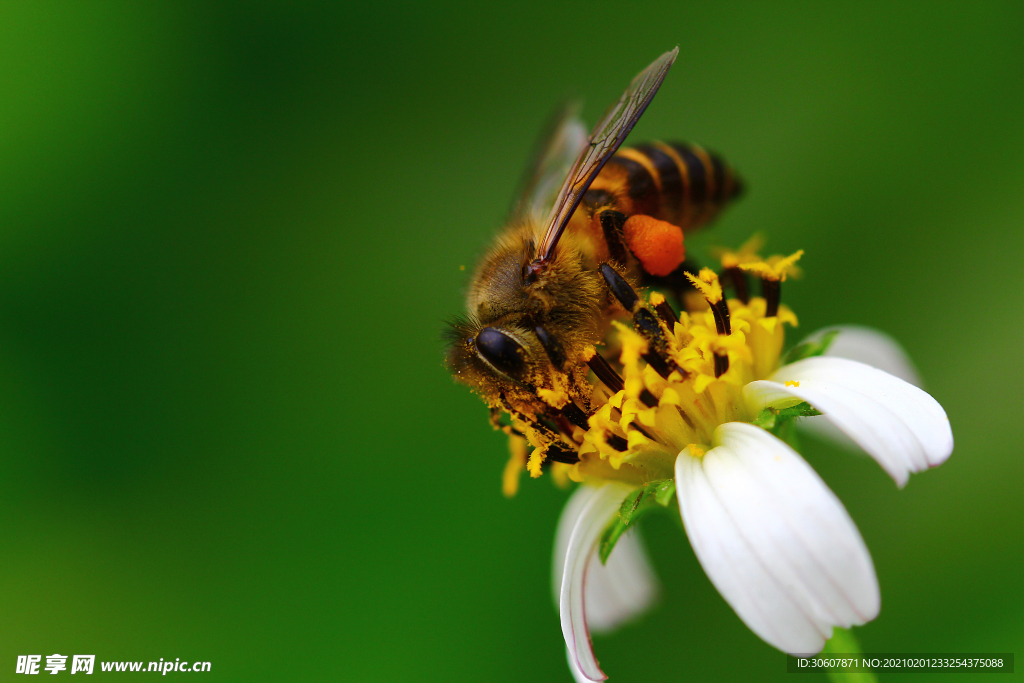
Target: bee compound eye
<point>501,351</point>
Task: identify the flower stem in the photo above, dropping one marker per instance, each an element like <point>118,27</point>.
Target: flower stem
<point>844,642</point>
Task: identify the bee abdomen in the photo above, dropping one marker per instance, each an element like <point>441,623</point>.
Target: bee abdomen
<point>681,183</point>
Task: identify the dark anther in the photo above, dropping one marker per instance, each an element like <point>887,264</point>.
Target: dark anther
<point>721,365</point>
<point>737,277</point>
<point>606,373</point>
<point>617,442</point>
<point>648,399</point>
<point>559,453</point>
<point>575,415</point>
<point>660,365</point>
<point>686,418</point>
<point>666,313</point>
<point>636,425</point>
<point>721,313</point>
<point>611,225</point>
<point>552,346</point>
<point>500,350</point>
<point>771,290</point>
<point>620,288</point>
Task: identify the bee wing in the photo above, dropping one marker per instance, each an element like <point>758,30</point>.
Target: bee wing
<point>605,139</point>
<point>564,139</point>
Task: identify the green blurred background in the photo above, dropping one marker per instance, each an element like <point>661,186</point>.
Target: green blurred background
<point>229,235</point>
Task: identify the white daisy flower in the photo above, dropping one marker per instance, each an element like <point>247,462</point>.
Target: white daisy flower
<point>772,537</point>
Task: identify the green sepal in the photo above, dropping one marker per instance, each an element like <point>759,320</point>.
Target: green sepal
<point>786,432</point>
<point>772,418</point>
<point>650,496</point>
<point>782,421</point>
<point>809,349</point>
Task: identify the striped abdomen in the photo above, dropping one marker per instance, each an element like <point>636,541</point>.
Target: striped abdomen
<point>675,182</point>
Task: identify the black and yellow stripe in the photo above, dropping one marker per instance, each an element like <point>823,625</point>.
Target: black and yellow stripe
<point>683,184</point>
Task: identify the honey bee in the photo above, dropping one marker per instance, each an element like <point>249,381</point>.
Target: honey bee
<point>593,220</point>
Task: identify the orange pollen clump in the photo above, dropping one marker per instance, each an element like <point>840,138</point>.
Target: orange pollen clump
<point>658,245</point>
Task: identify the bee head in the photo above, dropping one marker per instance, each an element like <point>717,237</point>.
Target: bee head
<point>495,359</point>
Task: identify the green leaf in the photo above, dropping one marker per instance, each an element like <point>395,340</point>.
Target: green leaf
<point>844,642</point>
<point>650,496</point>
<point>809,349</point>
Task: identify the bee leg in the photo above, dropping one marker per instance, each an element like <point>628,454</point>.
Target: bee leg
<point>553,347</point>
<point>556,354</point>
<point>498,425</point>
<point>554,449</point>
<point>657,357</point>
<point>575,415</point>
<point>559,453</point>
<point>606,373</point>
<point>618,286</point>
<point>645,322</point>
<point>612,223</point>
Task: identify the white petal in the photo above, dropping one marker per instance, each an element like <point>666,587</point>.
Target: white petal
<point>615,592</point>
<point>597,507</point>
<point>864,345</point>
<point>621,589</point>
<point>774,540</point>
<point>566,523</point>
<point>899,425</point>
<point>871,347</point>
<point>577,675</point>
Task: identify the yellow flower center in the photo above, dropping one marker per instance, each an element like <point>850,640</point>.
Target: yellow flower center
<point>670,391</point>
<point>639,431</point>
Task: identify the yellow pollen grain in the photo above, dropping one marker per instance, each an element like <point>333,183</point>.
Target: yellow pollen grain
<point>792,383</point>
<point>707,284</point>
<point>555,398</point>
<point>695,450</point>
<point>518,455</point>
<point>534,463</point>
<point>752,246</point>
<point>560,474</point>
<point>787,265</point>
<point>747,253</point>
<point>775,268</point>
<point>657,298</point>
